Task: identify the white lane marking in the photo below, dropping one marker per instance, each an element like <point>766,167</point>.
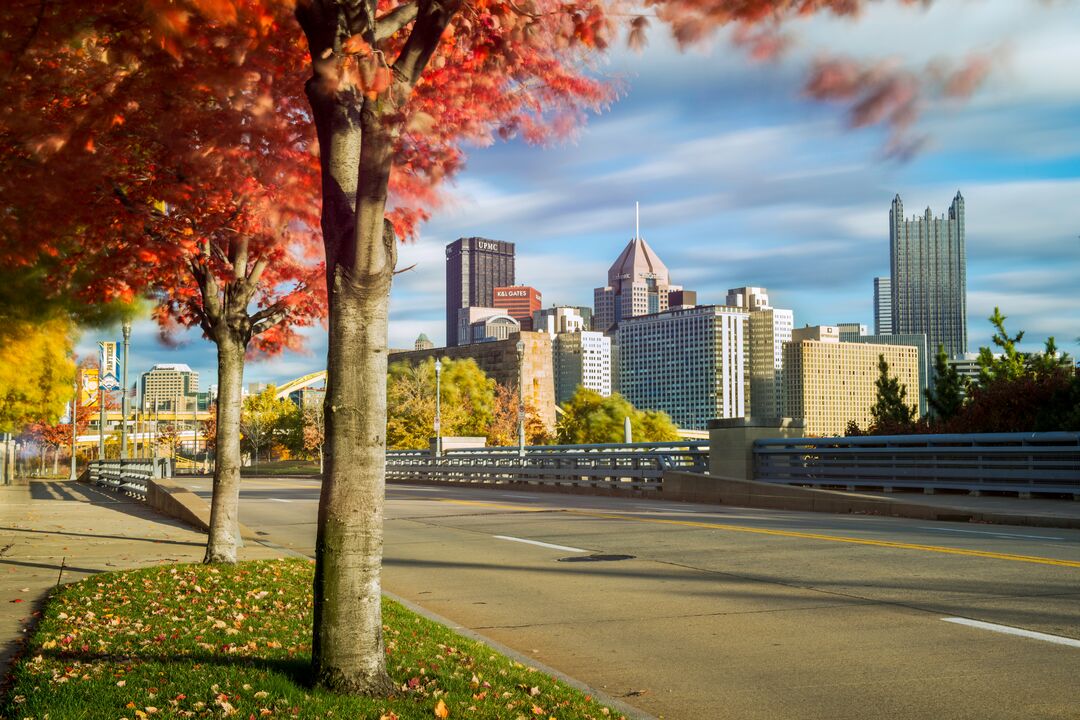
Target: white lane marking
<point>993,627</point>
<point>279,500</point>
<point>654,508</point>
<point>987,532</point>
<point>541,544</point>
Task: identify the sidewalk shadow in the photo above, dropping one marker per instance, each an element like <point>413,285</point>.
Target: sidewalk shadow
<point>82,493</point>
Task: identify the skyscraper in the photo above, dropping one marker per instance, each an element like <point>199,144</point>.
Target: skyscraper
<point>638,284</point>
<point>687,362</point>
<point>882,306</point>
<point>929,276</point>
<point>474,268</point>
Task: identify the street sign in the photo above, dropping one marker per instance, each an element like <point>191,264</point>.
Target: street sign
<point>110,366</point>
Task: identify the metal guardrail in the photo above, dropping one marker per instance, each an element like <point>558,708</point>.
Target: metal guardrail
<point>128,476</point>
<point>636,466</point>
<point>1007,462</point>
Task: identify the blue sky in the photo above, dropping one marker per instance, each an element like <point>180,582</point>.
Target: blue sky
<point>742,181</point>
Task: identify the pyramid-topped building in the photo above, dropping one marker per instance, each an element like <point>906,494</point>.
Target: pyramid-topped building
<point>638,283</point>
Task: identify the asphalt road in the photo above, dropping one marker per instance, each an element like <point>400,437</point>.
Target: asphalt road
<point>723,612</point>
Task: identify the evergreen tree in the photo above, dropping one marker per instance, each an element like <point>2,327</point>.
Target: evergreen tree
<point>946,397</point>
<point>890,412</point>
<point>1012,363</point>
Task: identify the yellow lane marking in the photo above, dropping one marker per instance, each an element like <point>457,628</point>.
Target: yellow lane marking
<point>839,538</point>
<point>790,533</point>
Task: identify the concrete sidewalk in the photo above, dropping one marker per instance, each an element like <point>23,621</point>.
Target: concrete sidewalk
<point>49,525</point>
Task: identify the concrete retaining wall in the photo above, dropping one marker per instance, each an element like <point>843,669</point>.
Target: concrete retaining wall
<point>693,487</point>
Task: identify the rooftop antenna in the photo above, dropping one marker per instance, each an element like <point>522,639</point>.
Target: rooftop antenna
<point>637,220</point>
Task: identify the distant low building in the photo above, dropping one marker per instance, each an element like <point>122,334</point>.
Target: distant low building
<point>171,386</point>
<point>423,343</point>
<point>492,328</point>
<point>851,332</point>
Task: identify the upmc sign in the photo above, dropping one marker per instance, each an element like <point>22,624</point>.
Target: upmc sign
<point>484,245</point>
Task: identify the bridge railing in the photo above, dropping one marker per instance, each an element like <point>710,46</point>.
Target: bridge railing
<point>129,476</point>
<point>638,466</point>
<point>1006,462</point>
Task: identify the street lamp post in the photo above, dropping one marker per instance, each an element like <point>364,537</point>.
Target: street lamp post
<point>521,397</point>
<point>126,328</point>
<point>438,408</point>
<point>74,424</point>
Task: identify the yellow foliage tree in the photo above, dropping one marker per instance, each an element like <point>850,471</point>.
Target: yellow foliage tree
<point>468,402</point>
<point>36,373</point>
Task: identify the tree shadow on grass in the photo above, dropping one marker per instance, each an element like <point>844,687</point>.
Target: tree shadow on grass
<point>295,669</point>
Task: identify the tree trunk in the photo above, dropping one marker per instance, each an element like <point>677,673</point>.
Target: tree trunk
<point>347,648</point>
<point>56,461</point>
<point>225,505</point>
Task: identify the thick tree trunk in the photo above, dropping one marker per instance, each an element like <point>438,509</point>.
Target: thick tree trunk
<point>225,505</point>
<point>347,651</point>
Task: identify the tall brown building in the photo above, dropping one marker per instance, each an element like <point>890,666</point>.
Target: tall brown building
<point>519,302</point>
<point>474,268</point>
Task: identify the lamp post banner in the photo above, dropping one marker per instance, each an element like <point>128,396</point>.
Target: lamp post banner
<point>110,366</point>
<point>89,391</point>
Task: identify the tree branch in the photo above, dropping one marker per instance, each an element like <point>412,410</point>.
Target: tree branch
<point>395,19</point>
<point>432,18</point>
<point>268,317</point>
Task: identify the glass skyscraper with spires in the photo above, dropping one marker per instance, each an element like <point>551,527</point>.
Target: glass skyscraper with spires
<point>929,276</point>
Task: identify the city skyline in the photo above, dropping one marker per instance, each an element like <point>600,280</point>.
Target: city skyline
<point>735,193</point>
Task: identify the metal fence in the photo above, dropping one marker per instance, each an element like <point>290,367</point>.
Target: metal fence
<point>1007,462</point>
<point>128,476</point>
<point>637,466</point>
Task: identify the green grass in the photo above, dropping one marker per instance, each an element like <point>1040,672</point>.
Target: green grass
<point>195,641</point>
<point>283,467</point>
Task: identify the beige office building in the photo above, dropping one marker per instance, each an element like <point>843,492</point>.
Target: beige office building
<point>828,383</point>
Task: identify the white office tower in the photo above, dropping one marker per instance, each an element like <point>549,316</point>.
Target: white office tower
<point>581,358</point>
<point>690,363</point>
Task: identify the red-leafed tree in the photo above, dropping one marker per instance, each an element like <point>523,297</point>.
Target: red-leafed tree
<point>395,88</point>
<point>195,175</point>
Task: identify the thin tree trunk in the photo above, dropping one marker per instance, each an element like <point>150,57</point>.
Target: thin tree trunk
<point>56,461</point>
<point>347,648</point>
<point>225,505</point>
